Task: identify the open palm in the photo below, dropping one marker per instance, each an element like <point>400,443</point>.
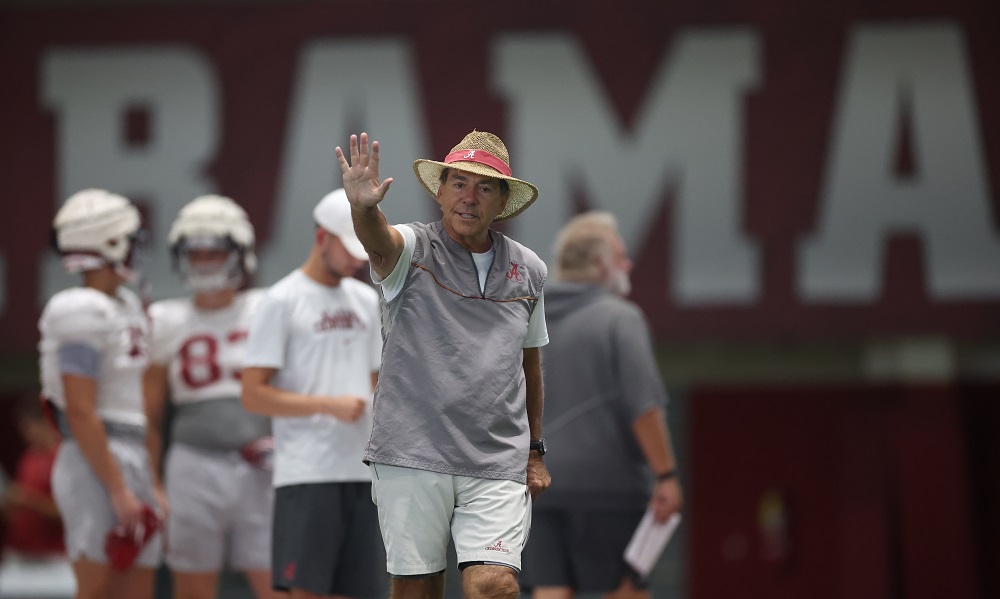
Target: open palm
<point>361,181</point>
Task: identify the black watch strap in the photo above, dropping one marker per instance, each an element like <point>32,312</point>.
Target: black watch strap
<point>538,446</point>
<point>667,475</point>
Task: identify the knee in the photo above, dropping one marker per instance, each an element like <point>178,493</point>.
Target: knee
<point>431,587</point>
<point>492,583</point>
<point>507,586</point>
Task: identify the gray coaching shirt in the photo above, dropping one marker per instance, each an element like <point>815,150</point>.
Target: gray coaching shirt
<point>451,394</point>
<point>600,375</point>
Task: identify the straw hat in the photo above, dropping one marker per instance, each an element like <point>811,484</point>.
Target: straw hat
<point>483,154</point>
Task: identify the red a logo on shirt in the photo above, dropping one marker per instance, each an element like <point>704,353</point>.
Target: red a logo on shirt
<point>514,272</point>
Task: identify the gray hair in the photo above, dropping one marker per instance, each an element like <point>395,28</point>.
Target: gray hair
<point>583,244</point>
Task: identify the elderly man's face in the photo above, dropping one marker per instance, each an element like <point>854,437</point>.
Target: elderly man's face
<point>618,270</point>
<point>469,203</point>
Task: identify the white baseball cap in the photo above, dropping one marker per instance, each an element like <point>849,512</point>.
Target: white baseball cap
<point>333,213</point>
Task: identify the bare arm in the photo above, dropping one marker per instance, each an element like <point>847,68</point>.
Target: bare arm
<point>538,474</point>
<point>154,389</point>
<point>532,362</point>
<point>261,397</point>
<point>88,432</point>
<point>383,243</point>
<point>651,432</point>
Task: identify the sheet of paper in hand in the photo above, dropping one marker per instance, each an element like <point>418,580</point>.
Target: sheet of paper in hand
<point>648,542</point>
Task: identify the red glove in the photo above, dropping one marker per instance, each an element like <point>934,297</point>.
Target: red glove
<point>259,453</point>
<point>123,544</point>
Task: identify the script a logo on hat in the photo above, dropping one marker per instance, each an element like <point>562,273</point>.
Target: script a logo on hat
<point>514,272</point>
<point>470,156</point>
<point>498,547</point>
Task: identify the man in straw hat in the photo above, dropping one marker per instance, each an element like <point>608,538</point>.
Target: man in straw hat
<point>456,444</point>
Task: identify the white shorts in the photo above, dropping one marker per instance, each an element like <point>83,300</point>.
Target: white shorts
<point>217,501</point>
<point>86,507</point>
<point>488,519</point>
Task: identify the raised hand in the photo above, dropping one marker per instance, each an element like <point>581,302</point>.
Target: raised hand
<point>361,174</point>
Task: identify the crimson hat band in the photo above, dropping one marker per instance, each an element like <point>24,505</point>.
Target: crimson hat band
<point>479,156</point>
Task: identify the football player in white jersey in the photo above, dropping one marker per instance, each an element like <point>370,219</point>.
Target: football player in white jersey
<point>93,352</point>
<point>218,474</point>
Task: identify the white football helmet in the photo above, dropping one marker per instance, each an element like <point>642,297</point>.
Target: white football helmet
<point>95,227</point>
<point>213,222</point>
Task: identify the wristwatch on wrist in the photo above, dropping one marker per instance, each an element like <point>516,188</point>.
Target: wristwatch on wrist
<point>667,475</point>
<point>538,446</point>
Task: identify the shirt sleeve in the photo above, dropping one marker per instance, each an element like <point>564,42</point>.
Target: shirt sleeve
<point>268,334</point>
<point>393,284</point>
<point>79,358</point>
<point>376,338</point>
<point>77,319</point>
<point>642,387</point>
<point>538,332</point>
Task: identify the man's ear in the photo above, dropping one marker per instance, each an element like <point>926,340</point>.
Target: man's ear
<point>320,235</point>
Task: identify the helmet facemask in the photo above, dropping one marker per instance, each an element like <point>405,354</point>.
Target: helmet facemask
<point>208,263</point>
<point>212,224</point>
<point>136,254</point>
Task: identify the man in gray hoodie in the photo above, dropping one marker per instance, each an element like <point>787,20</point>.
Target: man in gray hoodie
<point>604,422</point>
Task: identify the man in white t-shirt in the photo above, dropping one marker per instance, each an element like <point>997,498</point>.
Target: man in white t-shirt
<point>311,363</point>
